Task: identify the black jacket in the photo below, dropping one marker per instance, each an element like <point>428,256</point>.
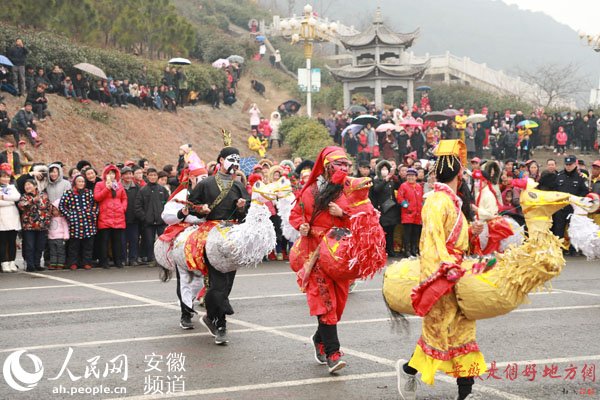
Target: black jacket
<point>572,182</point>
<point>16,161</point>
<point>207,190</point>
<point>22,120</point>
<point>17,55</point>
<point>132,192</point>
<point>149,204</point>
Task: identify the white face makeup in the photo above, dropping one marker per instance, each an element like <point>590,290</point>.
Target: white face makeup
<point>231,163</point>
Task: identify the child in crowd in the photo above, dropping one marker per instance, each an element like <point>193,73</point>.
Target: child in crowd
<point>58,234</point>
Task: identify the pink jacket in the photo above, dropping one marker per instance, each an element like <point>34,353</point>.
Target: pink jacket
<point>59,228</point>
<point>561,138</point>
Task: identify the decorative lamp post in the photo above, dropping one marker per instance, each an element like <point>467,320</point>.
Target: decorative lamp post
<point>308,29</point>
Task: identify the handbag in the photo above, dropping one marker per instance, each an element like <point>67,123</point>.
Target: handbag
<point>387,205</point>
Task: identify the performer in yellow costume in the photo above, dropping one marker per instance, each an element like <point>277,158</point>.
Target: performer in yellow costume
<point>447,342</point>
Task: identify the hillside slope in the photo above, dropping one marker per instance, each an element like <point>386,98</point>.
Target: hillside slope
<point>72,134</point>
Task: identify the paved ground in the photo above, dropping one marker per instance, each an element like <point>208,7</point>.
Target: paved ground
<point>106,315</point>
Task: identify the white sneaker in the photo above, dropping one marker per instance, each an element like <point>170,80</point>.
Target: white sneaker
<point>13,266</point>
<point>6,266</point>
<point>407,384</point>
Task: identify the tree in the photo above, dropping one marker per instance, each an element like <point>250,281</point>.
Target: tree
<point>555,84</point>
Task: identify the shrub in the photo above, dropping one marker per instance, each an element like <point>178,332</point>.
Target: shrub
<point>305,136</point>
<point>465,96</point>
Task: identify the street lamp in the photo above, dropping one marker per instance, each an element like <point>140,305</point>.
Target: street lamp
<point>594,43</point>
<point>308,29</point>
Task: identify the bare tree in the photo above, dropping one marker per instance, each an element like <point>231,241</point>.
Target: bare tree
<point>555,84</point>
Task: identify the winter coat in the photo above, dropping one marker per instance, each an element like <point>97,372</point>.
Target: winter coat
<point>412,194</point>
<point>265,128</point>
<point>561,138</point>
<point>112,201</point>
<point>381,191</point>
<point>351,144</point>
<point>17,55</point>
<point>59,227</point>
<point>16,161</point>
<point>80,211</point>
<point>149,204</point>
<point>22,120</point>
<point>131,191</point>
<point>35,212</point>
<point>254,116</point>
<point>9,213</point>
<point>257,145</point>
<point>57,188</point>
<point>274,123</point>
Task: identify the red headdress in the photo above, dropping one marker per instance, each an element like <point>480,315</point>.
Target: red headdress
<point>328,155</point>
<point>6,168</point>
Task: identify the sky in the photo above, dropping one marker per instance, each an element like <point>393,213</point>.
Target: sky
<point>581,15</point>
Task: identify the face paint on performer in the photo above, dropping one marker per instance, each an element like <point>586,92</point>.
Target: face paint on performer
<point>341,164</point>
<point>231,163</point>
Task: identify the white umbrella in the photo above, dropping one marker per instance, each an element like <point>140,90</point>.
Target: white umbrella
<point>90,69</point>
<point>220,63</point>
<point>476,118</point>
<point>236,58</point>
<point>179,61</point>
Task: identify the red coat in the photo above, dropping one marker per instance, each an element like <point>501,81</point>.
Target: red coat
<point>265,128</point>
<point>326,297</point>
<point>561,138</point>
<point>413,194</point>
<point>112,203</point>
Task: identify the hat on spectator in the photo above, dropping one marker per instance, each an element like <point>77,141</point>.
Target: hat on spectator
<point>411,171</point>
<point>476,159</point>
<point>8,144</point>
<point>129,163</point>
<point>580,162</point>
<point>596,164</point>
<point>125,170</point>
<point>570,159</point>
<point>22,142</point>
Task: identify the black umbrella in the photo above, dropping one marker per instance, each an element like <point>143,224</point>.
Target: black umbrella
<point>423,88</point>
<point>356,109</point>
<point>436,116</point>
<point>290,106</point>
<point>366,119</point>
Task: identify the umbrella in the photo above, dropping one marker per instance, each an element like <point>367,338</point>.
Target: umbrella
<point>237,59</point>
<point>356,109</point>
<point>5,61</point>
<point>220,63</point>
<point>436,116</point>
<point>476,118</point>
<point>423,88</point>
<point>179,61</point>
<point>290,106</point>
<point>366,119</point>
<point>247,164</point>
<point>260,38</point>
<point>527,124</point>
<point>411,122</point>
<point>386,127</point>
<point>451,112</point>
<point>90,69</point>
<point>354,128</point>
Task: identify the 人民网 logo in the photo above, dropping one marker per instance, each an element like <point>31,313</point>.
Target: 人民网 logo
<point>16,377</point>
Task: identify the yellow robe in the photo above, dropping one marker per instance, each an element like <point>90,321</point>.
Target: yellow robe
<point>447,340</point>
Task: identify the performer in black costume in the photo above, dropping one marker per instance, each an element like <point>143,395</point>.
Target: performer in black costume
<point>224,199</point>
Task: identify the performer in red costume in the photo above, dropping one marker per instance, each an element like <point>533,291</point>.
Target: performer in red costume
<point>320,206</point>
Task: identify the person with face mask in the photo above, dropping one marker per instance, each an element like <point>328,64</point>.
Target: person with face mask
<point>219,198</point>
<point>383,198</point>
<point>321,205</point>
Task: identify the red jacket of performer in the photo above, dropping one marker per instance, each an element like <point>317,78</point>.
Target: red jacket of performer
<point>412,194</point>
<point>112,200</point>
<point>326,297</point>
